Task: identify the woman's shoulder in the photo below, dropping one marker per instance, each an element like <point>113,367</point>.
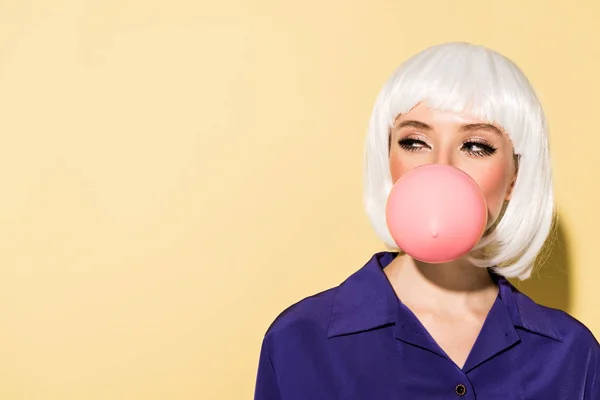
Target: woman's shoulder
<point>307,316</point>
<point>319,315</point>
<point>569,329</point>
<point>569,325</point>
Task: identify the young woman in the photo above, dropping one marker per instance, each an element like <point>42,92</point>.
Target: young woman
<point>399,328</point>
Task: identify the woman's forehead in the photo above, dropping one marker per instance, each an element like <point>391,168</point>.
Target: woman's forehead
<point>423,112</point>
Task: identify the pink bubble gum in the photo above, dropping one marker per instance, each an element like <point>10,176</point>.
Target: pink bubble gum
<point>436,213</point>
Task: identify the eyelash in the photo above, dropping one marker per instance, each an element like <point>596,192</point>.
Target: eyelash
<point>486,149</point>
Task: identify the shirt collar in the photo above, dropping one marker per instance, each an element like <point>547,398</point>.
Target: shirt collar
<point>366,300</point>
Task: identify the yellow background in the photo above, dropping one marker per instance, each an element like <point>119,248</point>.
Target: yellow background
<point>176,173</point>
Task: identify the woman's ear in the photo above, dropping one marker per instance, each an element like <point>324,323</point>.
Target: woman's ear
<point>514,178</point>
<point>510,189</point>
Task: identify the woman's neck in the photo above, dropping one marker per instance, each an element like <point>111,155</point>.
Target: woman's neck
<point>453,288</point>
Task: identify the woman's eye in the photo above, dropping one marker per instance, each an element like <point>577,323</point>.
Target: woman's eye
<point>476,149</point>
<point>479,149</point>
<point>412,144</point>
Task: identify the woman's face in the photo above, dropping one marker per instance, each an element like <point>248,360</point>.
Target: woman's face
<point>424,136</point>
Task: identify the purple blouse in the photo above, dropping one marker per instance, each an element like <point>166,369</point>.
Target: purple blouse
<point>358,341</point>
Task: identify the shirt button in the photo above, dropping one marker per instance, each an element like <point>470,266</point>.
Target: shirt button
<point>461,389</point>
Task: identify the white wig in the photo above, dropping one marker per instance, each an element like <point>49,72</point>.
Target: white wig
<point>463,77</point>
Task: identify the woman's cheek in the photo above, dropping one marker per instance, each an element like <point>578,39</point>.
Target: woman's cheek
<point>493,182</point>
<point>400,165</point>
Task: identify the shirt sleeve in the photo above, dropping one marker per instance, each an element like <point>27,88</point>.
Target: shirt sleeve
<point>593,389</point>
<point>266,382</point>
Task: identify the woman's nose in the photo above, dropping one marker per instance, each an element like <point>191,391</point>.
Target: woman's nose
<point>442,156</point>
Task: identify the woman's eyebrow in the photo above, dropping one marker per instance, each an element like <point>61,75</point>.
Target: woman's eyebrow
<point>464,127</point>
<point>480,127</point>
<point>414,124</point>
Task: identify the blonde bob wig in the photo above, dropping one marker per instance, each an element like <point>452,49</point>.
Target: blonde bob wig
<point>462,77</point>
